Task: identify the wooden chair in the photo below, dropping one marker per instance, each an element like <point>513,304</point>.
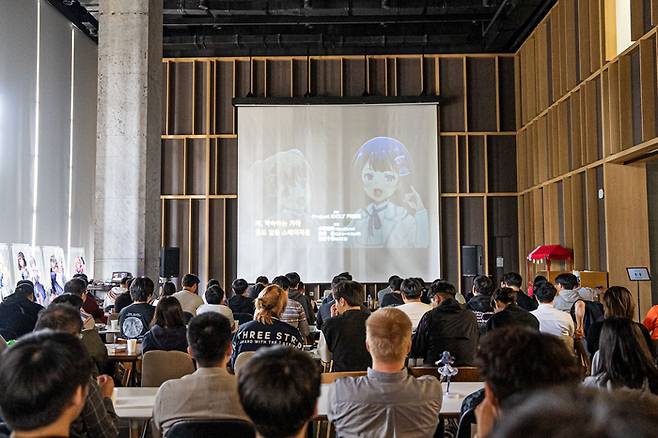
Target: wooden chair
<point>465,374</point>
<point>160,366</point>
<point>332,377</point>
<point>242,360</point>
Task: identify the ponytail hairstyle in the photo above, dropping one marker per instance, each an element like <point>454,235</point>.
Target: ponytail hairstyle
<point>270,304</point>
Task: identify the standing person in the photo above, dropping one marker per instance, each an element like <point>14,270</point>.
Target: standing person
<point>98,418</point>
<point>552,321</point>
<point>507,312</point>
<point>210,393</point>
<point>387,401</point>
<point>480,303</point>
<point>267,329</point>
<point>413,307</point>
<point>240,302</point>
<point>135,320</point>
<point>113,293</point>
<point>279,389</point>
<point>19,312</point>
<point>343,337</point>
<point>188,296</point>
<point>514,281</point>
<point>297,294</point>
<point>294,313</point>
<point>45,381</point>
<point>167,331</point>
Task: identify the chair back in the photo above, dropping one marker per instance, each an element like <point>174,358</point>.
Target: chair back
<point>465,374</point>
<point>242,318</point>
<point>242,360</point>
<point>159,366</point>
<point>332,377</point>
<point>466,423</point>
<point>211,429</point>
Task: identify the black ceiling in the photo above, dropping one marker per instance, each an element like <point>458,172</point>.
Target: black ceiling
<point>317,27</point>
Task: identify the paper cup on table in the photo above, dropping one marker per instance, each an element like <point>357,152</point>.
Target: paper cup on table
<point>114,324</point>
<point>132,346</point>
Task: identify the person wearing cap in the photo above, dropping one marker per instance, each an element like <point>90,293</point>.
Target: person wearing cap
<point>19,312</point>
<point>240,302</point>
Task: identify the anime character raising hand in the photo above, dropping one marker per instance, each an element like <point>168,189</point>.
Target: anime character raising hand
<point>384,167</point>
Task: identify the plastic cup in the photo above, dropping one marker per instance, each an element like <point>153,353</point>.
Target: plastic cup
<point>132,346</point>
<point>114,324</point>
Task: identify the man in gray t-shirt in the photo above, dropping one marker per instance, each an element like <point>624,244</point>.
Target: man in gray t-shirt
<point>387,401</point>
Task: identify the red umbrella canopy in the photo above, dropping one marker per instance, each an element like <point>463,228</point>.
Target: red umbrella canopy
<point>550,252</point>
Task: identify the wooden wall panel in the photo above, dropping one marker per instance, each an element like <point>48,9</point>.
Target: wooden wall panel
<point>448,157</point>
<point>450,252</point>
<point>648,87</point>
<point>506,94</point>
<point>477,164</point>
<point>451,76</point>
<point>279,78</point>
<point>481,105</point>
<point>502,169</point>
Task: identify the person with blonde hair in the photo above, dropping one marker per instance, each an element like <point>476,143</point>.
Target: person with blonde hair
<point>267,329</point>
<point>387,401</point>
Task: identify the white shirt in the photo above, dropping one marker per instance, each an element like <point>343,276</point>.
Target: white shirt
<point>221,309</point>
<point>189,301</point>
<point>415,311</point>
<point>554,322</point>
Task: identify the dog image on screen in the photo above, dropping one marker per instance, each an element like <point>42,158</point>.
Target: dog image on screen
<point>395,216</point>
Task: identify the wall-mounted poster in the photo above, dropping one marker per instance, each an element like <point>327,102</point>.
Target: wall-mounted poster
<point>77,262</point>
<point>6,283</point>
<point>56,268</point>
<point>28,265</point>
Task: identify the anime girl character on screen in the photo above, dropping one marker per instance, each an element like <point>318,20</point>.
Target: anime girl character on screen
<point>24,274</point>
<point>395,216</point>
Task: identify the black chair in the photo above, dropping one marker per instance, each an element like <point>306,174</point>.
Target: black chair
<point>211,429</point>
<point>465,423</point>
<point>242,318</point>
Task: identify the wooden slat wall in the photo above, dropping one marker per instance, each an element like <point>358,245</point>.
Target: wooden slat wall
<point>477,137</point>
<point>601,109</point>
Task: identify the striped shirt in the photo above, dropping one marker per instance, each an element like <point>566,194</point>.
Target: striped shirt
<point>294,315</point>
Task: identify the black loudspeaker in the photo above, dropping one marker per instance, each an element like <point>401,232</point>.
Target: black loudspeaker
<point>472,261</point>
<point>169,259</point>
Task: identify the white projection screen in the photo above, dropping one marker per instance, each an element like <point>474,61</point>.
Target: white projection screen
<point>326,189</point>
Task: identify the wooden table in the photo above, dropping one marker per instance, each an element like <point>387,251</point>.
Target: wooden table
<point>119,353</point>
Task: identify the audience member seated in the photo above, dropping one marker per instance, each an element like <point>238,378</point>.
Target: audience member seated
<point>294,312</point>
<point>617,303</point>
<point>188,296</point>
<point>45,380</point>
<point>168,329</point>
<point>324,312</point>
<point>297,294</point>
<point>166,290</point>
<point>113,294</point>
<point>208,393</point>
<point>394,297</point>
<point>447,327</point>
<point>388,401</point>
<point>216,303</point>
<point>393,279</point>
<point>507,312</point>
<point>135,320</point>
<point>97,418</point>
<point>413,307</point>
<point>514,281</point>
<point>568,292</point>
<point>90,305</point>
<point>279,388</point>
<point>552,321</point>
<point>579,412</point>
<point>240,302</point>
<point>78,287</point>
<point>18,311</point>
<point>262,281</point>
<point>267,329</point>
<point>90,337</point>
<point>514,362</point>
<point>343,336</point>
<point>480,302</point>
<point>124,300</point>
<point>624,361</point>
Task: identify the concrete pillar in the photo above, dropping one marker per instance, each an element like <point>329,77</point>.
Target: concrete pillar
<point>127,213</point>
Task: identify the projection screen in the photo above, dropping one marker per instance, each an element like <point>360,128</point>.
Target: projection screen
<point>326,189</point>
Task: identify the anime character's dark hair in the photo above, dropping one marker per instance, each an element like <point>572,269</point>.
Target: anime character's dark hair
<point>384,153</point>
